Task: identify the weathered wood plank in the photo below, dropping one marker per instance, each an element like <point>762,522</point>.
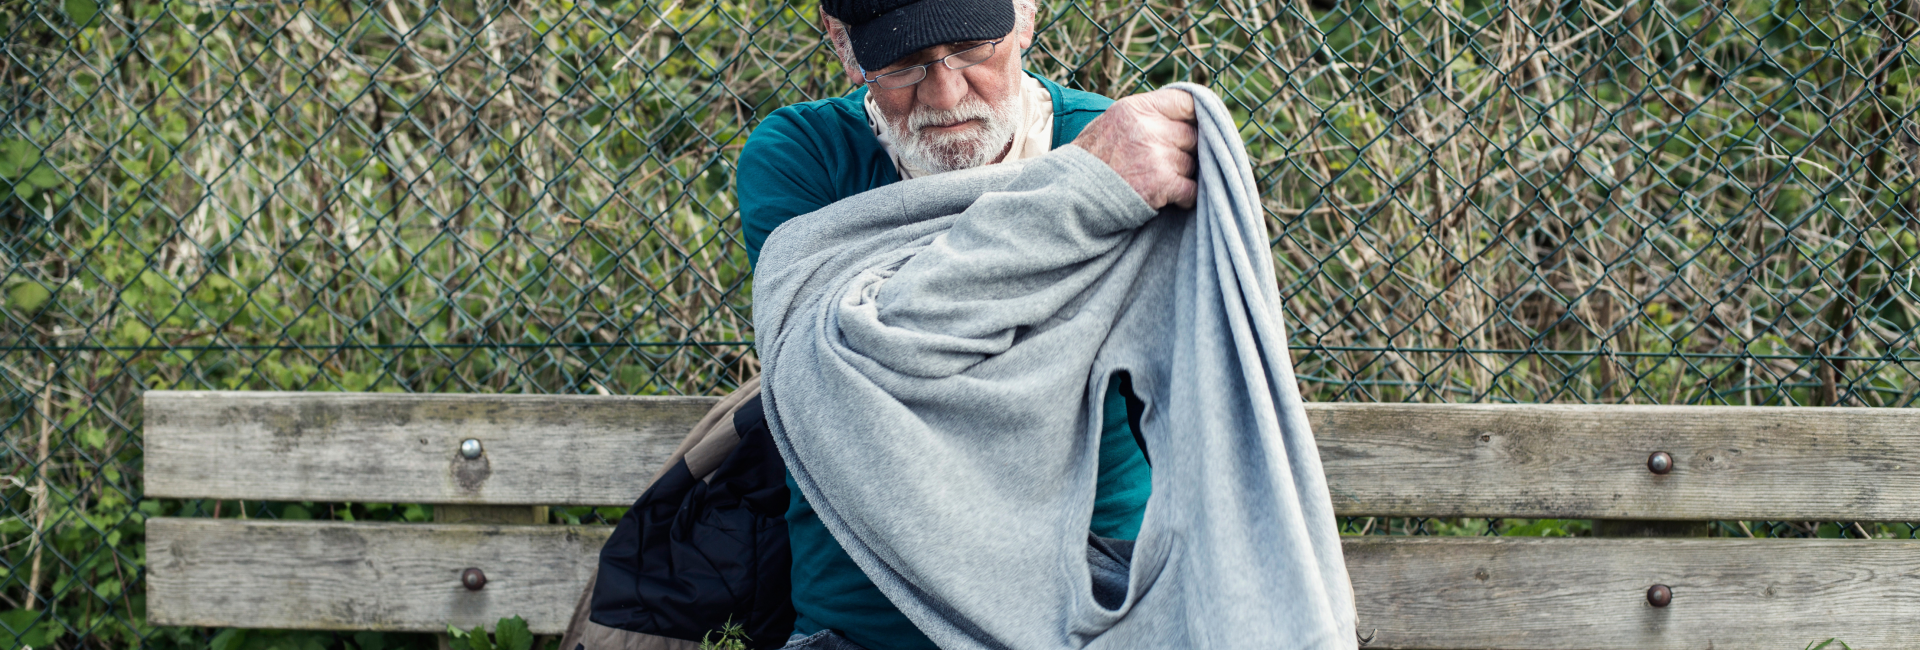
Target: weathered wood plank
<point>1583,462</point>
<point>364,576</point>
<point>1589,462</point>
<point>1441,593</point>
<point>537,449</point>
<point>1549,594</point>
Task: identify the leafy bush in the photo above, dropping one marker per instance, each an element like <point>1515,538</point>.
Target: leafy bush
<point>240,639</point>
<point>508,634</point>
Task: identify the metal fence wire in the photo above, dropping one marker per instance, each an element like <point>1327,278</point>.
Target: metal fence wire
<point>1656,202</point>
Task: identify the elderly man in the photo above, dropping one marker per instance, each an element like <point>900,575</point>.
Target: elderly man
<point>941,88</point>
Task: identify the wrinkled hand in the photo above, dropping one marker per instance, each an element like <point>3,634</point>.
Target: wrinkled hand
<point>1149,139</point>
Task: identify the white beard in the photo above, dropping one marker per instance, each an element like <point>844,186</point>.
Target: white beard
<point>941,153</point>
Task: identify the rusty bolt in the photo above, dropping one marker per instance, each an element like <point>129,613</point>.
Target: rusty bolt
<point>1660,462</point>
<point>470,449</point>
<point>1659,595</point>
<point>473,579</point>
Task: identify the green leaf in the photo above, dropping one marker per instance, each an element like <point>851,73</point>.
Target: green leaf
<point>457,638</point>
<point>133,332</point>
<point>370,640</point>
<point>82,11</point>
<point>13,154</point>
<point>93,437</point>
<point>107,589</point>
<point>416,512</point>
<point>18,156</point>
<point>29,629</point>
<point>27,298</point>
<point>512,634</point>
<point>228,639</point>
<point>477,639</point>
<point>732,637</point>
<point>1546,528</point>
<point>174,129</point>
<point>1815,11</point>
<point>43,177</point>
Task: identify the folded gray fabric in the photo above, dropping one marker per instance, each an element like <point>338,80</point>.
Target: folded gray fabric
<point>933,354</point>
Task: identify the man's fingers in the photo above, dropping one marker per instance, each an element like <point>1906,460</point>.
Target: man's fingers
<point>1181,192</point>
<point>1184,165</point>
<point>1183,136</point>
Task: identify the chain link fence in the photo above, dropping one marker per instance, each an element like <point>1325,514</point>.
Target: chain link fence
<point>1605,201</point>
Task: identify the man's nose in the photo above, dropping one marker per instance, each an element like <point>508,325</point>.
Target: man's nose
<point>942,89</point>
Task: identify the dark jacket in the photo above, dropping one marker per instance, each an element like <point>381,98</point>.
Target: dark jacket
<point>706,544</point>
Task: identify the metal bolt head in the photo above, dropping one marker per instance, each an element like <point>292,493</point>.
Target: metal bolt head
<point>470,449</point>
<point>473,579</point>
<point>1659,595</point>
<point>1660,462</point>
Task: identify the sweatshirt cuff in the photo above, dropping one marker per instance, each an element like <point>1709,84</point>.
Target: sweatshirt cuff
<point>1117,206</point>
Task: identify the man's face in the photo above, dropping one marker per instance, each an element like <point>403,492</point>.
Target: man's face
<point>955,119</point>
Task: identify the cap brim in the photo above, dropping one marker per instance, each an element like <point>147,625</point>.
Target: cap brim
<point>918,26</point>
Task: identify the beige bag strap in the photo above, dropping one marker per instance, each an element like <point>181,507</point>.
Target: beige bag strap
<point>718,419</point>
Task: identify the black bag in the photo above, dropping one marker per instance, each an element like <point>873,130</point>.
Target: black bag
<point>699,552</point>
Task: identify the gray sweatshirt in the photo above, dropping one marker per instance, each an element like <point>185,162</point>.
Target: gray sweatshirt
<point>933,355</point>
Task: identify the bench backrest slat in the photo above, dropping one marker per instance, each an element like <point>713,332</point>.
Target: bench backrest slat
<point>1847,464</point>
<point>1590,461</point>
<point>404,448</point>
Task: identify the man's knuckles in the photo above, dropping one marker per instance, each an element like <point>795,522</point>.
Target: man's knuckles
<point>1176,105</point>
<point>1184,165</point>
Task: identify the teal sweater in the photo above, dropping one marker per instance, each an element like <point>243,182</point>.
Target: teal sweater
<point>802,158</point>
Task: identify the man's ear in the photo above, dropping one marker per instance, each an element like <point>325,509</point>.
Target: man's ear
<point>1023,24</point>
<point>836,35</point>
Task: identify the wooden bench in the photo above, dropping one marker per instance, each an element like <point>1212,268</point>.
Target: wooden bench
<point>1386,460</point>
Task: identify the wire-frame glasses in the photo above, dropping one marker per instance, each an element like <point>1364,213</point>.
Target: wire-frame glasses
<point>911,75</point>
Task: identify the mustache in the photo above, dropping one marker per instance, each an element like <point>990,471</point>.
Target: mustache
<point>972,108</point>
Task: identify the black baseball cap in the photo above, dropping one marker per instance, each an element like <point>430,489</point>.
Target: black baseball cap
<point>885,31</point>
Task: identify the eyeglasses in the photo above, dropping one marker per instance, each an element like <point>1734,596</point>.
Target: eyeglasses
<point>908,76</point>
